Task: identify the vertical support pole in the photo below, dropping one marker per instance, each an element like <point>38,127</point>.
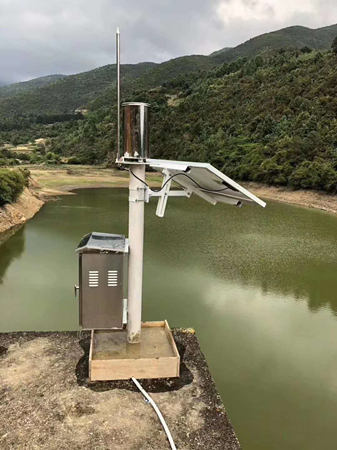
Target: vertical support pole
<point>136,242</point>
<point>118,68</point>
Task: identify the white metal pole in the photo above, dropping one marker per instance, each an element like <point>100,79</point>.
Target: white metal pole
<point>136,242</point>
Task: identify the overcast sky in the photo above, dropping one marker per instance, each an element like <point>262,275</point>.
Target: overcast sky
<point>41,37</point>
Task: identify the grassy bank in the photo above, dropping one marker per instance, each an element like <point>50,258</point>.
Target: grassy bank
<point>59,180</point>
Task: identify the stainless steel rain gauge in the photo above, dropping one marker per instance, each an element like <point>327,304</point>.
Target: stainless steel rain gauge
<point>141,350</point>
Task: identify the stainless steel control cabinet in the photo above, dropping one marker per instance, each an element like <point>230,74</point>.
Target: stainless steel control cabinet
<point>101,276</point>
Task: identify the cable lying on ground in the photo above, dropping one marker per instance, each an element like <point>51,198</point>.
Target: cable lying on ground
<point>159,414</point>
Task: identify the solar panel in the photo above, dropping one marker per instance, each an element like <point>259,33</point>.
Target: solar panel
<point>201,179</point>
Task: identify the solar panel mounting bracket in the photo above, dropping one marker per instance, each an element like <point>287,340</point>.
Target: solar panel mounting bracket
<point>166,192</point>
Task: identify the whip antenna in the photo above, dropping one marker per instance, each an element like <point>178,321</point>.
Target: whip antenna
<point>118,67</point>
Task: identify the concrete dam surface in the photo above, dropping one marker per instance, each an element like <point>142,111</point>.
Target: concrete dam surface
<point>48,402</point>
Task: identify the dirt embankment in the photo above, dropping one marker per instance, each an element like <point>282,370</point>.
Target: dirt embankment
<point>48,183</point>
<point>309,199</point>
<point>16,214</point>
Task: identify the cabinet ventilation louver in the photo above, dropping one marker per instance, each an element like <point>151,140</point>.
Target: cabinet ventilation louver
<point>93,278</point>
<point>112,278</point>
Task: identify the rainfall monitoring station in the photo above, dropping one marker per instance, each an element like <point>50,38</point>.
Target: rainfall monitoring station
<point>122,346</point>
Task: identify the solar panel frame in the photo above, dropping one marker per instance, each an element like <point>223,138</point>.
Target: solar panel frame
<point>207,177</point>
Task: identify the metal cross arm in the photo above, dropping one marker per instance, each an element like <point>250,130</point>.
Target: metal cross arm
<point>166,192</point>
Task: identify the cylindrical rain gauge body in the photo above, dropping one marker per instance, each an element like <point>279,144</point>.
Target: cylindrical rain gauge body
<point>136,131</point>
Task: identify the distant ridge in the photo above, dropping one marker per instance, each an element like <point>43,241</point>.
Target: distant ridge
<point>56,94</point>
<point>290,37</point>
<point>75,91</point>
<point>16,88</point>
<point>223,50</point>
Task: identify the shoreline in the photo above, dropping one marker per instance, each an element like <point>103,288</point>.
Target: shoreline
<point>54,182</point>
<point>14,215</point>
<point>47,184</point>
<point>307,199</point>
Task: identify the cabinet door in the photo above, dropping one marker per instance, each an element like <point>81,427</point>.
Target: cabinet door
<point>101,290</point>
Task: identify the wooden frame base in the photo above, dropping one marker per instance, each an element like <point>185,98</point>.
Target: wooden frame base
<point>112,366</point>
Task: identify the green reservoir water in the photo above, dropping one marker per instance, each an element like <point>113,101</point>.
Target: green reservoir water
<point>258,285</point>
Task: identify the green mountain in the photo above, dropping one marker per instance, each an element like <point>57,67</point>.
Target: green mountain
<point>77,91</point>
<point>271,119</point>
<point>17,88</point>
<point>157,76</point>
<point>291,37</point>
<point>95,88</point>
<point>222,50</point>
<point>68,93</point>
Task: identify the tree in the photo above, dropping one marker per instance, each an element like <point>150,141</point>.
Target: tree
<point>306,49</point>
<point>334,45</point>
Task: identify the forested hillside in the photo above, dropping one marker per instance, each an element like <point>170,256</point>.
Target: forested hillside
<point>17,88</point>
<point>95,89</point>
<point>155,77</point>
<point>77,91</point>
<point>288,38</point>
<point>271,119</point>
<point>68,93</point>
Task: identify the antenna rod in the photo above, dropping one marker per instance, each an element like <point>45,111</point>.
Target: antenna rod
<point>118,66</point>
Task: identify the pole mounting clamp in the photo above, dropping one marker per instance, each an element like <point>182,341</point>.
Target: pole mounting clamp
<point>138,195</point>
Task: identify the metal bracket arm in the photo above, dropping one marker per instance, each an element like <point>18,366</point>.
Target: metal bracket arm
<point>165,193</point>
<point>170,194</point>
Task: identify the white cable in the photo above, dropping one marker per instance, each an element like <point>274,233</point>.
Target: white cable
<point>155,407</point>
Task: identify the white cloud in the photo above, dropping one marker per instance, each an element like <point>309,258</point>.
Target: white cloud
<point>256,10</point>
<point>39,37</point>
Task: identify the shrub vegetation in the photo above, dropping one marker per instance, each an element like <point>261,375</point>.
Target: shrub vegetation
<point>12,183</point>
